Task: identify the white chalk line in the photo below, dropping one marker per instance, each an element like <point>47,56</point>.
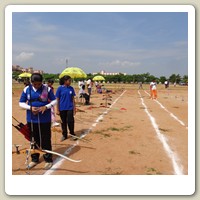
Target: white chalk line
<point>170,113</point>
<point>59,161</point>
<point>178,170</point>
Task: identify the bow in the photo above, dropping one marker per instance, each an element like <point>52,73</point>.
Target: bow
<point>43,151</point>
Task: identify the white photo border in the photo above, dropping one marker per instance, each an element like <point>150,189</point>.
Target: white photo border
<point>100,184</point>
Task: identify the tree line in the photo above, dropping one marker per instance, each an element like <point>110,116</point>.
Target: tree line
<point>121,78</point>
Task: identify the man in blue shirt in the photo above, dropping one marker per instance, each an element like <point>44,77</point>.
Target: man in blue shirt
<point>66,106</point>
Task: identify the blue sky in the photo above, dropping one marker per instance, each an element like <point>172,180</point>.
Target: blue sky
<point>115,42</point>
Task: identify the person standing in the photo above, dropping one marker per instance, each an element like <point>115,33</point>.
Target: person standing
<point>50,83</point>
<point>175,84</point>
<point>153,89</point>
<point>96,85</point>
<point>166,84</point>
<point>80,84</point>
<point>38,99</point>
<point>66,106</point>
<point>140,85</point>
<point>89,86</point>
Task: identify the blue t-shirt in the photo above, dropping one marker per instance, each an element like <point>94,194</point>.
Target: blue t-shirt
<point>36,102</point>
<point>66,95</point>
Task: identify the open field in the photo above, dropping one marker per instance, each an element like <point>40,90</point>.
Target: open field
<point>133,136</point>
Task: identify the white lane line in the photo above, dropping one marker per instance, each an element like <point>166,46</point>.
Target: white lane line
<point>170,113</point>
<point>59,161</point>
<point>178,170</point>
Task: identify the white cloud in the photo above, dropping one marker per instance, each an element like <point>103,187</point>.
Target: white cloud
<point>118,63</point>
<point>36,25</point>
<point>24,56</point>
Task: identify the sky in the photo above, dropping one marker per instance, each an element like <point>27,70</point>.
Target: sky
<point>126,42</point>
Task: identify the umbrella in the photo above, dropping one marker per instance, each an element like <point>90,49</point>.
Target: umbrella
<point>25,75</point>
<point>73,72</point>
<point>98,78</point>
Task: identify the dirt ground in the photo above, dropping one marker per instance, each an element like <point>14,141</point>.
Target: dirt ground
<point>119,139</point>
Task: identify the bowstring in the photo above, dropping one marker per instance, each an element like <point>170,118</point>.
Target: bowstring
<point>32,140</point>
<point>39,128</point>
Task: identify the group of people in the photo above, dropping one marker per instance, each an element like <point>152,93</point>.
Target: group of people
<point>153,89</point>
<point>99,88</point>
<point>39,101</point>
<point>42,105</point>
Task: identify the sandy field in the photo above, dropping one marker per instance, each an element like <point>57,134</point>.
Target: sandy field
<point>133,135</point>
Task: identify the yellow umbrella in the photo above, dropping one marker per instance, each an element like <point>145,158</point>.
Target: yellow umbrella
<point>73,72</point>
<point>25,75</point>
<point>98,78</point>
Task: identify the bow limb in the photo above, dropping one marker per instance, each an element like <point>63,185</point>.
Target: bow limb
<point>45,151</point>
<point>58,154</point>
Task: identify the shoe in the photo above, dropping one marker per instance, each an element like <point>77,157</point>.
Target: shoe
<point>48,165</point>
<point>55,124</point>
<point>63,138</point>
<point>31,165</point>
<point>74,137</point>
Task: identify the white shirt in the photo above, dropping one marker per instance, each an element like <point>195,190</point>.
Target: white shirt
<point>89,83</point>
<point>81,91</point>
<point>80,84</point>
<point>96,83</point>
<point>153,85</point>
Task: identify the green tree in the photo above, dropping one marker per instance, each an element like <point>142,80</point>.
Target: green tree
<point>15,75</point>
<point>129,78</point>
<point>162,79</point>
<point>175,78</point>
<point>178,78</point>
<point>151,78</point>
<point>185,79</point>
<point>172,78</point>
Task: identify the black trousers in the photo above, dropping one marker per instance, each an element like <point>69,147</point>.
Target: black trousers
<point>89,91</point>
<point>87,98</point>
<point>67,118</point>
<point>45,129</point>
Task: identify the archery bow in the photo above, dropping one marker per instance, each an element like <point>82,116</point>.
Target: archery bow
<point>43,151</point>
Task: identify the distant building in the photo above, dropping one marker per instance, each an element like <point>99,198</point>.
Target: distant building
<point>38,71</point>
<point>30,70</point>
<point>17,68</point>
<point>102,72</point>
